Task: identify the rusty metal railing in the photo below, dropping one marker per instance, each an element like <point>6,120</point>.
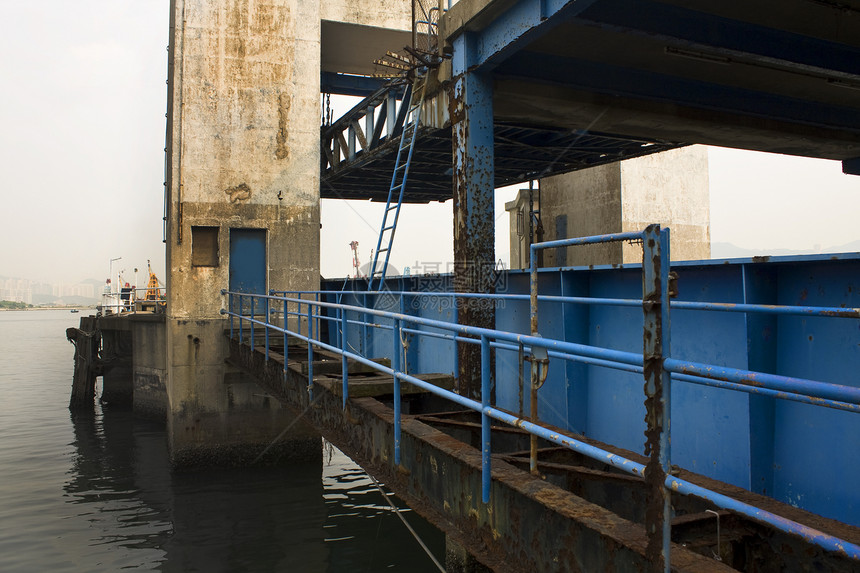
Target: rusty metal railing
<point>655,363</point>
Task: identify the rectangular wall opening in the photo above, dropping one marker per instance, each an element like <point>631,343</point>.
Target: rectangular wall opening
<point>204,246</point>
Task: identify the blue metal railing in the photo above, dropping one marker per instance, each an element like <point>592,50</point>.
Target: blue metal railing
<point>655,360</point>
<point>681,370</point>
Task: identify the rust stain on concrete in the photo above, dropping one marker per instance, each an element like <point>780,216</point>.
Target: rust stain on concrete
<point>284,101</point>
<point>241,193</point>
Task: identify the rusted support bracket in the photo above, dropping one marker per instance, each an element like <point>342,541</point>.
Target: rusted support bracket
<point>539,370</point>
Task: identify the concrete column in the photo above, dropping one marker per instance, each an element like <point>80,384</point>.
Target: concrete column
<point>474,225</point>
<point>243,153</point>
<point>150,365</point>
<point>669,188</point>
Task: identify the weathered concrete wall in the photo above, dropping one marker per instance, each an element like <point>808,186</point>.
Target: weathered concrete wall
<point>149,367</point>
<point>670,188</point>
<point>116,356</point>
<point>391,14</point>
<point>243,153</point>
<point>578,204</point>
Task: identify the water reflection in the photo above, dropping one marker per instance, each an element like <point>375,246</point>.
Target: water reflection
<point>315,517</point>
<point>119,481</point>
<point>96,493</point>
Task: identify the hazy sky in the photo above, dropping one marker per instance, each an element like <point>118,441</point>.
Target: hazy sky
<point>82,115</point>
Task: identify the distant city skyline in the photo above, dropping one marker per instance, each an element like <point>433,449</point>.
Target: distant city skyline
<point>83,159</point>
<point>17,289</point>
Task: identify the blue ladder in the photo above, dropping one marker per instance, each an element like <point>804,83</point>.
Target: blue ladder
<point>398,180</point>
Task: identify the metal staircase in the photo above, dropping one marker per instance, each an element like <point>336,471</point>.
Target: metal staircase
<point>398,181</point>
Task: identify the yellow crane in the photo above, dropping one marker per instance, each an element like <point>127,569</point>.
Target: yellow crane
<point>152,286</point>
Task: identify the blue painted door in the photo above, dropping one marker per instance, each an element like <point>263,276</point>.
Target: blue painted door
<point>248,260</point>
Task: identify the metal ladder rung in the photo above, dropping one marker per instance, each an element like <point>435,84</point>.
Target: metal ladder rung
<point>408,135</point>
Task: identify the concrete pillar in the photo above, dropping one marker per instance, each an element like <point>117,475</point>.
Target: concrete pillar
<point>150,365</point>
<point>243,153</point>
<point>116,356</point>
<point>474,224</point>
<point>670,188</point>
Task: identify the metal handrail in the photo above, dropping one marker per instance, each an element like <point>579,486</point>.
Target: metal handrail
<point>827,311</point>
<point>681,486</point>
<point>655,275</point>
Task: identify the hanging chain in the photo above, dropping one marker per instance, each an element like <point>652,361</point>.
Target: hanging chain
<point>328,114</point>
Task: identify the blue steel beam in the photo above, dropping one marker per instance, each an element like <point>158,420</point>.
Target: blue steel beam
<point>346,84</point>
<point>474,215</point>
<point>521,24</point>
<point>486,450</point>
<point>760,284</point>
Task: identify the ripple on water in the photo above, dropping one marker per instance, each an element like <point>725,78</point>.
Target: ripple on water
<point>95,493</point>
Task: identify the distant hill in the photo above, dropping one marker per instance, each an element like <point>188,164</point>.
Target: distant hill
<point>731,251</point>
<point>852,247</point>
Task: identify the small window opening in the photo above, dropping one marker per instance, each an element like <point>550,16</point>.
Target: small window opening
<point>204,246</point>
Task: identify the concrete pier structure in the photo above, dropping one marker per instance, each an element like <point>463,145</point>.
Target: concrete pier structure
<point>534,88</point>
<point>149,365</point>
<point>242,193</point>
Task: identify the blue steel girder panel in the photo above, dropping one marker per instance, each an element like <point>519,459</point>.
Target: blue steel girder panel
<point>800,454</point>
<point>808,437</point>
<point>430,355</point>
<point>711,426</point>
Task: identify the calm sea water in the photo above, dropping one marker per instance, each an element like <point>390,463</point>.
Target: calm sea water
<point>95,492</point>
